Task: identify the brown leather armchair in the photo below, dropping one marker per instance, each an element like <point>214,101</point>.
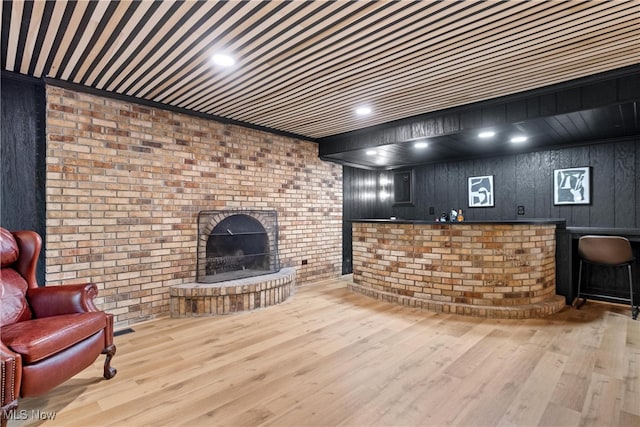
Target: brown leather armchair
<point>47,334</point>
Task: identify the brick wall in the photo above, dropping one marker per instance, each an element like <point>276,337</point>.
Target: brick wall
<point>125,183</point>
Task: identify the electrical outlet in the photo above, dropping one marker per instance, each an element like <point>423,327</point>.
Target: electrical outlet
<point>520,210</point>
<point>432,210</point>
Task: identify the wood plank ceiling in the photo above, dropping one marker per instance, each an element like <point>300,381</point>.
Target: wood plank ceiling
<point>303,66</point>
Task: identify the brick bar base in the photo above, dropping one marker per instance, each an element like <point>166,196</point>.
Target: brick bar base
<point>211,299</point>
<point>540,309</point>
<point>488,270</point>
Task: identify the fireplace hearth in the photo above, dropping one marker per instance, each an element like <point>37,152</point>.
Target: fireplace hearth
<point>236,244</point>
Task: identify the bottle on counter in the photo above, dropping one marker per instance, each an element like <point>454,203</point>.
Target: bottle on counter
<point>454,215</point>
<point>444,217</point>
<point>460,217</point>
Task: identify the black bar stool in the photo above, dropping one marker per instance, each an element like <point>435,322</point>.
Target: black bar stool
<point>611,251</point>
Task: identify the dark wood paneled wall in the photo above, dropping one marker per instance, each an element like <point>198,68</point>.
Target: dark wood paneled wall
<point>360,189</point>
<point>23,158</point>
<point>519,180</point>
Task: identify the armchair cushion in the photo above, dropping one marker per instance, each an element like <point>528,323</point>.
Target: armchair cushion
<point>13,286</point>
<point>9,251</point>
<point>13,304</point>
<point>38,339</point>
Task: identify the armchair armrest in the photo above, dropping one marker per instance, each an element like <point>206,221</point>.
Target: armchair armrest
<point>10,379</point>
<point>29,243</point>
<point>67,299</point>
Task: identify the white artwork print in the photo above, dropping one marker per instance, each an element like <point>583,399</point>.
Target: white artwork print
<point>571,186</point>
<point>481,191</point>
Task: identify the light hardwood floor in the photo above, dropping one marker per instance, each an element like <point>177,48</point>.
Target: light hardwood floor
<point>328,357</point>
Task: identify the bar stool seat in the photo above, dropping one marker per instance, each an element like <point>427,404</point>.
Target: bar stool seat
<point>611,251</point>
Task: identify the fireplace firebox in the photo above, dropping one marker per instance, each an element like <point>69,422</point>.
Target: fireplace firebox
<point>235,244</point>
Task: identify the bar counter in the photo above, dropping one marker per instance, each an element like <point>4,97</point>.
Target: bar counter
<point>498,269</point>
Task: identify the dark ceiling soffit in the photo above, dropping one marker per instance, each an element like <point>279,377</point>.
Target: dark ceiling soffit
<point>356,165</point>
<point>476,156</point>
<point>93,91</point>
<point>22,78</point>
<point>361,138</point>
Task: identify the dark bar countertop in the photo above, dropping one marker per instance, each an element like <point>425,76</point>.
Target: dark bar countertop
<point>559,222</point>
<point>631,233</point>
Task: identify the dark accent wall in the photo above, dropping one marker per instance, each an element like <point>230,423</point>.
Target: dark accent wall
<point>22,204</point>
<point>360,189</point>
<point>519,180</point>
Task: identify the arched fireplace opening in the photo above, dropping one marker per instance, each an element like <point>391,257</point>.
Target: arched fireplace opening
<point>236,244</point>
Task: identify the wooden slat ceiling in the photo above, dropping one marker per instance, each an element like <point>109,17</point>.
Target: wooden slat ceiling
<point>302,66</point>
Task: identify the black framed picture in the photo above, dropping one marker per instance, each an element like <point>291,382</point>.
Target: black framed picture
<point>481,191</point>
<point>572,186</point>
<point>403,187</point>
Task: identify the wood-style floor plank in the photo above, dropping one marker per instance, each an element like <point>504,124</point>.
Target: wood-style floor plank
<point>328,357</point>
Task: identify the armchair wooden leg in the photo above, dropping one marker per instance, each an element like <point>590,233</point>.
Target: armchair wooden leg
<point>10,377</point>
<point>109,372</point>
<point>6,412</point>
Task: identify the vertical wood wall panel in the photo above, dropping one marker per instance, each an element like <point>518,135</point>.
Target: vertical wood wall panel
<point>453,184</point>
<point>506,170</point>
<point>579,215</point>
<point>553,163</point>
<point>637,181</point>
<point>360,200</point>
<point>23,157</point>
<point>602,167</point>
<point>441,178</point>
<point>525,183</point>
<point>543,187</point>
<point>564,161</point>
<point>625,182</point>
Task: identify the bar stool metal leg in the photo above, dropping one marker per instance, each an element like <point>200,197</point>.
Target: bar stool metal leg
<point>634,308</point>
<point>576,302</point>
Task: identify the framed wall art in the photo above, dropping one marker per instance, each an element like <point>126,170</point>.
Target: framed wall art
<point>481,191</point>
<point>572,186</point>
<point>403,187</point>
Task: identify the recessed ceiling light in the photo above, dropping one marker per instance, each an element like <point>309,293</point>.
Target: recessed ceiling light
<point>223,60</point>
<point>421,144</point>
<point>487,134</point>
<point>363,111</point>
<point>371,152</point>
<point>518,139</point>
